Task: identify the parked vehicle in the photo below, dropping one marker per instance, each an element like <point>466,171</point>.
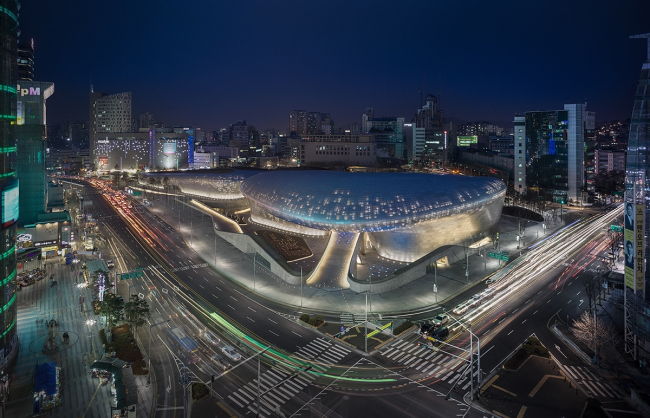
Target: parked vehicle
<point>110,264</point>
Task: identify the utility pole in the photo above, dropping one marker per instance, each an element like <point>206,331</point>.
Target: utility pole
<point>254,254</point>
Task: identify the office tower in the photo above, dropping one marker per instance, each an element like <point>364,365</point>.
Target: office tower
<point>426,137</point>
<point>370,113</point>
<point>389,134</point>
<point>298,122</point>
<point>26,61</point>
<point>636,327</point>
<point>109,114</point>
<point>8,180</point>
<point>550,151</point>
<point>31,141</point>
<point>145,121</point>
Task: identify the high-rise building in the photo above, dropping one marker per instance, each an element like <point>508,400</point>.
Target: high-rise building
<point>637,208</point>
<point>425,136</point>
<point>26,61</point>
<point>8,180</point>
<point>550,150</point>
<point>388,132</point>
<point>608,160</point>
<point>298,122</point>
<point>109,114</point>
<point>31,142</point>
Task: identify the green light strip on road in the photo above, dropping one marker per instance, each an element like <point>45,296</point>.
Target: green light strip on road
<point>289,361</point>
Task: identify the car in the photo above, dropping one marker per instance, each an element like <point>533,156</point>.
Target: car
<point>441,333</point>
<point>211,338</point>
<point>231,353</point>
<point>440,320</point>
<point>110,264</point>
<point>491,280</point>
<point>425,328</point>
<point>220,362</point>
<point>461,309</point>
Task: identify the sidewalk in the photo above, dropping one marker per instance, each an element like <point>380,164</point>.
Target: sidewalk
<point>81,395</point>
<point>417,295</point>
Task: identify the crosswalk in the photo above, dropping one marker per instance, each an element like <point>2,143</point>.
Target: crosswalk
<point>347,319</point>
<point>596,386</point>
<point>280,384</point>
<point>432,362</point>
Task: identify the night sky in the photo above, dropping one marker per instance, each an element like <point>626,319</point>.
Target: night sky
<point>210,63</point>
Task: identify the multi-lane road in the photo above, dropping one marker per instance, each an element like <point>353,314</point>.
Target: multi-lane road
<point>411,380</point>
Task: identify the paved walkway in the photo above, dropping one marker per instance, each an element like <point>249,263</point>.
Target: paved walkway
<point>81,394</point>
<point>417,295</point>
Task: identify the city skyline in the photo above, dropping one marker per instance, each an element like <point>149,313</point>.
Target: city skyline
<point>202,66</point>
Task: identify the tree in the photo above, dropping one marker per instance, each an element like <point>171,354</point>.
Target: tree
<point>592,288</point>
<point>112,307</point>
<point>136,311</point>
<point>593,332</point>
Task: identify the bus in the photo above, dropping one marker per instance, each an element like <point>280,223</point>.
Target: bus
<point>185,347</point>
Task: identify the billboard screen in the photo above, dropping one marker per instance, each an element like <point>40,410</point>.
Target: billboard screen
<point>20,113</point>
<point>633,246</point>
<point>10,205</point>
<point>103,163</point>
<point>169,148</point>
<point>466,141</point>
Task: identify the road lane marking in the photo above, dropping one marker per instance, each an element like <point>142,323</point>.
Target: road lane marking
<point>297,334</point>
<point>535,312</point>
<point>524,321</point>
<point>251,309</point>
<point>527,301</point>
<point>515,310</point>
<point>231,307</point>
<point>510,332</point>
<point>233,298</point>
<point>250,319</point>
<point>201,286</point>
<point>218,288</point>
<point>273,333</point>
<point>569,301</point>
<point>548,300</point>
<point>272,321</point>
<point>578,294</point>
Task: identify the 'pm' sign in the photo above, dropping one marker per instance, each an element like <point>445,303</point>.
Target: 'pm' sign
<point>32,91</point>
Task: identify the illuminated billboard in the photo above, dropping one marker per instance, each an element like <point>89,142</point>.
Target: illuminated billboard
<point>633,246</point>
<point>10,204</point>
<point>169,148</point>
<point>466,141</point>
<point>20,113</point>
<point>103,163</point>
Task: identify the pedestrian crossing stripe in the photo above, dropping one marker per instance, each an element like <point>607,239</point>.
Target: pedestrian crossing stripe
<point>591,383</point>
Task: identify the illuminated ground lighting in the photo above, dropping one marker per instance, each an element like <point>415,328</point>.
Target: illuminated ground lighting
<point>217,214</point>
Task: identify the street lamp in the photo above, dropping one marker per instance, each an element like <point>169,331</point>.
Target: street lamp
<point>471,353</point>
<point>149,349</point>
<point>301,286</point>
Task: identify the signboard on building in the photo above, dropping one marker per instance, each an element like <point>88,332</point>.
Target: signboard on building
<point>169,148</point>
<point>633,246</point>
<point>10,204</point>
<point>103,163</point>
<point>466,141</point>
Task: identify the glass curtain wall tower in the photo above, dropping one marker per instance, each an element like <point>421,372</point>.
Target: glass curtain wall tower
<point>637,196</point>
<point>8,180</point>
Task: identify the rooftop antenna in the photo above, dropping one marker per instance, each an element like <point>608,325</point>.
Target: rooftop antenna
<point>644,36</point>
<point>421,88</point>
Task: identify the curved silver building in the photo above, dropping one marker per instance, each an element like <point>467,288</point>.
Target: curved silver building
<point>223,185</point>
<point>405,215</point>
